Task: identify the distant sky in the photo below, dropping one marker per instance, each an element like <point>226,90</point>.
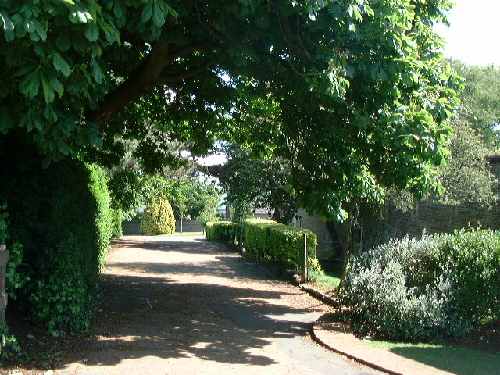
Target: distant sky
<point>474,33</point>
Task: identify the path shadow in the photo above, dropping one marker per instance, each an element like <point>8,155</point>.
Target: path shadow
<point>143,317</point>
<point>162,243</point>
<point>163,317</point>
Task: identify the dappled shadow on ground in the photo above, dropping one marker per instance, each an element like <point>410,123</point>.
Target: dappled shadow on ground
<point>455,360</point>
<point>223,266</point>
<point>142,317</point>
<point>153,309</point>
<point>175,244</point>
<point>223,262</point>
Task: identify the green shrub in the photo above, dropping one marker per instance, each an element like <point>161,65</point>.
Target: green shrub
<point>271,242</point>
<point>104,221</point>
<point>226,231</point>
<point>158,217</point>
<point>9,346</point>
<point>117,217</point>
<point>439,286</point>
<point>61,215</point>
<point>63,299</point>
<point>15,280</point>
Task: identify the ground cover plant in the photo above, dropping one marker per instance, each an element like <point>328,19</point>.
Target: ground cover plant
<point>440,286</point>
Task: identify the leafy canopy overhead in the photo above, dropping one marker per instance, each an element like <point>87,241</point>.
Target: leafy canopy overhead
<point>354,93</point>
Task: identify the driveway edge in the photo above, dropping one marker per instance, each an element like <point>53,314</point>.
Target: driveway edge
<point>329,346</point>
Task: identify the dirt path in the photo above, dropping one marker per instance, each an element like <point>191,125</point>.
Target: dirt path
<point>181,305</point>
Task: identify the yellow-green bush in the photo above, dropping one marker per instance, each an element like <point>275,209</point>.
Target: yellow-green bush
<point>158,217</point>
<point>221,231</point>
<point>271,242</point>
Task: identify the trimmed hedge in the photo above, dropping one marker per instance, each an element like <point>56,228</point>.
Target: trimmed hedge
<point>440,286</point>
<point>271,242</point>
<point>226,231</point>
<point>268,241</point>
<point>61,215</point>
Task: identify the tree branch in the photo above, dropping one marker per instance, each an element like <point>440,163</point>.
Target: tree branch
<point>145,76</point>
<point>140,81</point>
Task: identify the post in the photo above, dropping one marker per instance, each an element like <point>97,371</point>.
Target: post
<point>4,257</point>
<point>305,258</point>
<point>181,223</point>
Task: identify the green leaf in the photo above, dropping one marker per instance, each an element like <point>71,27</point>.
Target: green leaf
<point>92,32</point>
<point>41,29</point>
<point>30,85</point>
<point>57,86</point>
<point>159,14</point>
<point>147,12</point>
<point>48,91</point>
<point>61,65</point>
<point>8,27</point>
<point>97,71</point>
<point>63,42</point>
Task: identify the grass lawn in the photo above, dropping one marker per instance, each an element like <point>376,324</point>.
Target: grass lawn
<point>330,280</point>
<point>458,360</point>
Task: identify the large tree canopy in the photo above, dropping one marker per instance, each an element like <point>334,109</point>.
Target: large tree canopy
<point>354,93</point>
<point>480,107</point>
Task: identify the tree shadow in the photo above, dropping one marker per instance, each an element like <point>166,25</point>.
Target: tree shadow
<point>143,317</point>
<point>147,311</point>
<point>457,360</point>
<point>164,244</point>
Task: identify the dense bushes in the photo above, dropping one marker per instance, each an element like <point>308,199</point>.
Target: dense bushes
<point>226,231</point>
<point>158,217</point>
<point>61,215</point>
<point>439,286</point>
<point>268,241</point>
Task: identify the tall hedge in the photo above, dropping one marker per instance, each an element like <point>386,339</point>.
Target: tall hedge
<point>60,212</point>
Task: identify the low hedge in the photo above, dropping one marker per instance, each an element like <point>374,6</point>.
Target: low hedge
<point>268,241</point>
<point>271,242</point>
<point>225,231</point>
<point>440,286</point>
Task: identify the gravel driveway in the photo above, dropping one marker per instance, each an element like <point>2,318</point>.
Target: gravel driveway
<point>182,305</point>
